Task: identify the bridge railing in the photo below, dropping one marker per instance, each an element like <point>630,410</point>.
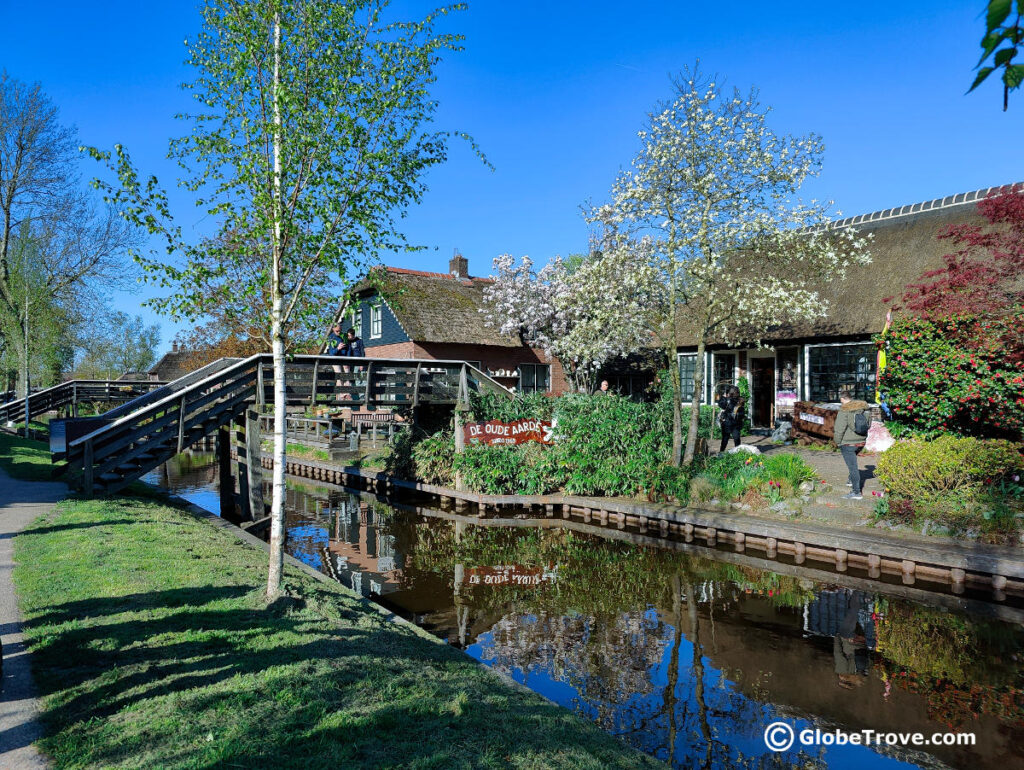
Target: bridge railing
<point>75,391</point>
<point>122,450</point>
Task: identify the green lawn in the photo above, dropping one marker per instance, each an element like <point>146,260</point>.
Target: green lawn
<point>25,459</point>
<point>153,647</point>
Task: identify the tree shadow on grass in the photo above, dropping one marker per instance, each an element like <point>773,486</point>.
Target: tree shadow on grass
<point>63,527</point>
<point>287,685</point>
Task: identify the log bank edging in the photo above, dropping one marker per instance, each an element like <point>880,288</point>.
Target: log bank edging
<point>998,568</point>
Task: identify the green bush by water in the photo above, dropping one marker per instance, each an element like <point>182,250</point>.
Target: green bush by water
<point>961,482</point>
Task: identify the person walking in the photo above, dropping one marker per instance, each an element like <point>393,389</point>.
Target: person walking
<point>853,415</point>
<point>734,413</point>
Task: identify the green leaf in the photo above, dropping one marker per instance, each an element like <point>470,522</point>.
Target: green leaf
<point>988,45</point>
<point>998,10</point>
<point>1004,56</point>
<point>983,73</point>
<point>1013,76</point>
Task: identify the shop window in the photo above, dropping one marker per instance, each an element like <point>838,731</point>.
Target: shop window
<point>831,368</point>
<point>534,378</point>
<point>787,382</point>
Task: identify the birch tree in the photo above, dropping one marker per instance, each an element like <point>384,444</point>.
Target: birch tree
<point>311,134</point>
<point>585,310</point>
<point>715,191</point>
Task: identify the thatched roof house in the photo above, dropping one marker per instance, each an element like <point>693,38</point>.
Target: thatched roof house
<point>424,315</point>
<point>813,360</point>
<point>172,365</point>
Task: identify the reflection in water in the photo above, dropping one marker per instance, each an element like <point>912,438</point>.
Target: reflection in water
<point>685,657</point>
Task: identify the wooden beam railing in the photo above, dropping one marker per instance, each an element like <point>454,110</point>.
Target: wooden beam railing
<point>75,392</point>
<point>138,440</point>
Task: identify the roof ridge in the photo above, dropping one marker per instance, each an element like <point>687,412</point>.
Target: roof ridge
<point>933,205</point>
<point>467,281</point>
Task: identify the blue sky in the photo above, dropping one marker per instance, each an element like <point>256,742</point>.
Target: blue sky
<point>554,93</point>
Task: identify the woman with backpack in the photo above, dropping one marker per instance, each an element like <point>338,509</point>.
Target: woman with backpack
<point>733,414</point>
<point>854,416</point>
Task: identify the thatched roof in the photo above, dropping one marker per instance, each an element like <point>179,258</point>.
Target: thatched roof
<point>440,307</point>
<point>904,245</point>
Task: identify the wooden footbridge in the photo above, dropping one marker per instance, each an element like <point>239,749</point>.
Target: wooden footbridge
<point>71,394</point>
<point>149,430</point>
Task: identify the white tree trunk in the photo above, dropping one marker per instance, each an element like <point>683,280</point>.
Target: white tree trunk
<point>277,338</point>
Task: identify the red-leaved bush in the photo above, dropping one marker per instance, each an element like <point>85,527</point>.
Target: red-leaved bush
<point>983,276</point>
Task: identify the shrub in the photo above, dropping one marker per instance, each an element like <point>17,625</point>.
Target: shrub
<point>398,459</point>
<point>732,476</point>
<point>496,470</point>
<point>956,374</point>
<point>526,406</point>
<point>433,459</point>
<point>611,445</point>
<point>959,481</point>
<point>788,468</point>
<point>923,470</point>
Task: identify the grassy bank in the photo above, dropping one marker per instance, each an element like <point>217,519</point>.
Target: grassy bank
<point>25,459</point>
<point>152,647</point>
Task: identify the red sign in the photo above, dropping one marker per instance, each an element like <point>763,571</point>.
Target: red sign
<point>518,432</point>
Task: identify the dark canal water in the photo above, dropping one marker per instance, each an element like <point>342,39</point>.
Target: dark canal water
<point>688,656</point>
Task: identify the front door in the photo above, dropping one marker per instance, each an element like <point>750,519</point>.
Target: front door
<point>762,391</point>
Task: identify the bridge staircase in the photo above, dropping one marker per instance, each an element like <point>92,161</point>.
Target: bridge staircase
<point>148,431</point>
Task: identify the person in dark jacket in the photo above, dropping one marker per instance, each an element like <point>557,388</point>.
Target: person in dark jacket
<point>734,412</point>
<point>848,440</point>
<point>335,342</point>
<point>354,345</point>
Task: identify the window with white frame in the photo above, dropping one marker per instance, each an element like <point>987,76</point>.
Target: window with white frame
<point>355,318</point>
<point>534,378</point>
<point>376,321</point>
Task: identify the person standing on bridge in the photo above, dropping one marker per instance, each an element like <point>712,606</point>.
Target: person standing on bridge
<point>353,345</point>
<point>336,345</point>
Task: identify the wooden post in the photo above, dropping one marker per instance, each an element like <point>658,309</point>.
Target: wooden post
<point>241,473</point>
<point>461,405</point>
<point>369,381</point>
<point>87,469</point>
<point>261,396</point>
<point>181,425</point>
<point>226,484</point>
<point>253,466</point>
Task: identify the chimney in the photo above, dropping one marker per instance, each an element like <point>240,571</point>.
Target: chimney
<point>174,346</point>
<point>459,266</point>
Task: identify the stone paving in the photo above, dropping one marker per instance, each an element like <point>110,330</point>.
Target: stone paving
<point>827,503</point>
<point>21,502</point>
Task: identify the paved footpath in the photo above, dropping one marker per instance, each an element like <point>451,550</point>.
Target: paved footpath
<point>20,503</point>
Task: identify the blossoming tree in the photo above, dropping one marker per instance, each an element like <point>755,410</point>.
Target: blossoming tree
<point>584,311</point>
<point>714,191</point>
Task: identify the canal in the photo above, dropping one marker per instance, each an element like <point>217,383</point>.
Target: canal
<point>688,655</point>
